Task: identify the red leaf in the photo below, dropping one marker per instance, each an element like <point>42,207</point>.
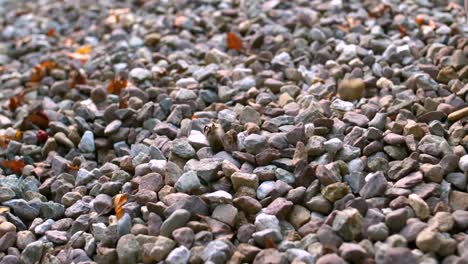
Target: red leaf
<point>233,41</point>
<point>16,166</point>
<point>116,86</point>
<point>38,119</point>
<point>15,101</point>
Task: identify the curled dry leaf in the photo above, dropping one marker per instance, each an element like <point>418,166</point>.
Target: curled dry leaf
<point>51,32</point>
<point>16,101</point>
<point>233,41</point>
<point>42,70</point>
<point>119,201</point>
<point>16,166</point>
<point>86,49</point>
<point>36,119</point>
<point>116,86</point>
<point>73,167</point>
<point>77,77</point>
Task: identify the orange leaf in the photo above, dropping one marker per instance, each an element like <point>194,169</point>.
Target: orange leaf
<point>86,49</point>
<point>233,41</point>
<point>77,77</point>
<point>41,70</point>
<point>123,103</point>
<point>72,167</point>
<point>19,135</point>
<point>116,86</point>
<point>38,119</point>
<point>50,32</point>
<point>16,166</point>
<point>83,58</point>
<point>119,201</point>
<point>37,74</point>
<point>420,19</point>
<point>15,101</point>
<point>402,30</point>
<point>4,141</point>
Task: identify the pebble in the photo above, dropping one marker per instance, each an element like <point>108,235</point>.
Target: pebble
<point>87,144</point>
<point>351,89</point>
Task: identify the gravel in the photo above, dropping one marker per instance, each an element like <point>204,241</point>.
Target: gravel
<point>220,131</point>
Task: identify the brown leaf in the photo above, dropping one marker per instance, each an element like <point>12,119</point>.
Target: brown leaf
<point>38,119</point>
<point>16,166</point>
<point>116,86</point>
<point>4,141</point>
<point>77,77</point>
<point>15,101</point>
<point>73,167</point>
<point>402,30</point>
<point>51,32</point>
<point>119,201</point>
<point>233,41</point>
<point>42,70</point>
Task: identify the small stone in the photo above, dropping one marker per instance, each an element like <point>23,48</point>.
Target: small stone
<point>176,220</point>
<point>298,216</point>
<point>351,89</point>
<point>394,255</point>
<point>375,185</point>
<point>140,74</point>
<point>162,247</point>
<point>249,115</point>
<point>179,255</point>
<point>87,142</point>
<point>463,163</point>
<point>419,206</point>
<point>352,252</point>
<point>240,179</point>
<point>182,148</point>
<point>428,240</point>
<point>335,191</point>
<point>348,223</point>
<point>225,213</point>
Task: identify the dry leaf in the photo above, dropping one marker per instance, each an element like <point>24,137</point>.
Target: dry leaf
<point>233,41</point>
<point>18,134</point>
<point>119,201</point>
<point>116,86</point>
<point>42,70</point>
<point>420,19</point>
<point>86,49</point>
<point>4,141</point>
<point>83,58</point>
<point>73,167</point>
<point>51,32</point>
<point>402,30</point>
<point>15,101</point>
<point>77,77</point>
<point>38,119</point>
<point>16,166</point>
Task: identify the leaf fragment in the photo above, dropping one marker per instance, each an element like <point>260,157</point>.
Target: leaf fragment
<point>233,41</point>
<point>119,201</point>
<point>16,166</point>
